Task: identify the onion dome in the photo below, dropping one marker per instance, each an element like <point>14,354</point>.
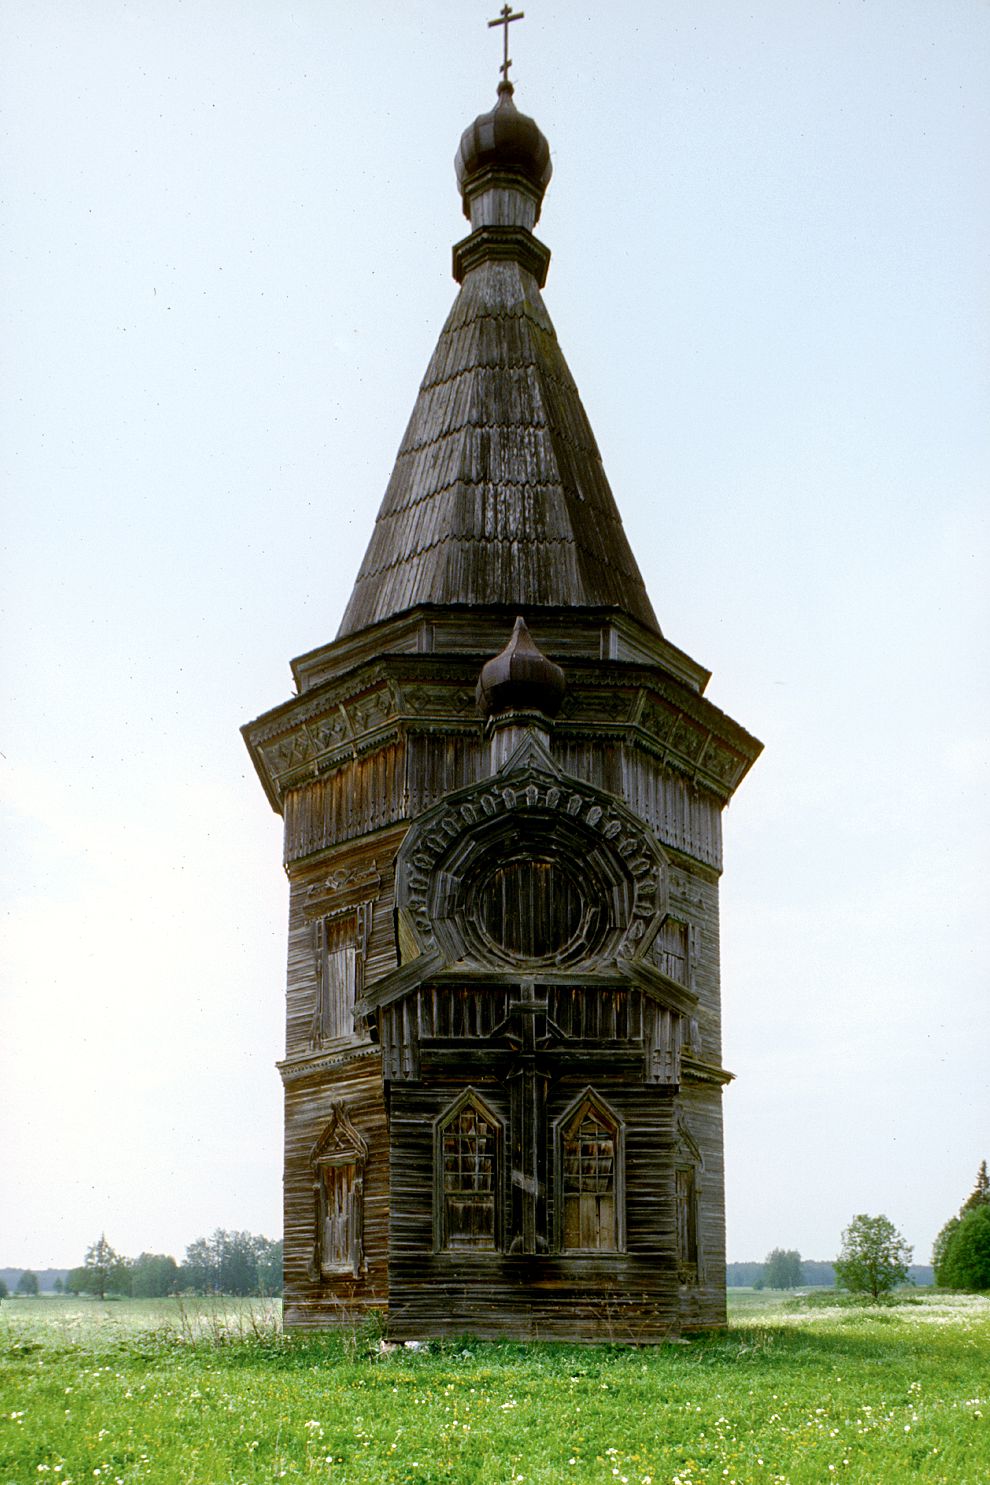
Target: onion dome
<point>503,143</point>
<point>521,678</point>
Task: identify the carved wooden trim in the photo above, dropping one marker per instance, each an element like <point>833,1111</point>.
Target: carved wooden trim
<point>342,890</point>
<point>340,1153</point>
<point>470,1098</point>
<point>689,1166</point>
<point>296,1069</point>
<point>589,1099</point>
<point>530,810</point>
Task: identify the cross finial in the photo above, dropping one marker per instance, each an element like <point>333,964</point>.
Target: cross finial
<point>503,19</point>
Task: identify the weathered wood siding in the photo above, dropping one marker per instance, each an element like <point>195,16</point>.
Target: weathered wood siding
<point>405,777</point>
<point>702,1306</point>
<point>631,1295</point>
<point>498,505</point>
<point>309,1299</point>
<point>343,827</point>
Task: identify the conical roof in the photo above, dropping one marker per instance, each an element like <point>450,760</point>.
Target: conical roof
<point>498,495</point>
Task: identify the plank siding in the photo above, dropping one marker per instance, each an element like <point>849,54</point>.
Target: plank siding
<point>404,778</point>
<point>703,1307</point>
<point>594,859</point>
<point>310,1300</point>
<point>632,1295</point>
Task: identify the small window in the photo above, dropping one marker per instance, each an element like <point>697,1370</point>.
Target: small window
<point>468,1149</point>
<point>341,1218</point>
<point>338,1160</point>
<point>590,1156</point>
<point>687,1219</point>
<point>337,979</point>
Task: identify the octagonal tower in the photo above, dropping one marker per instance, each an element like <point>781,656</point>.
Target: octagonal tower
<point>502,790</point>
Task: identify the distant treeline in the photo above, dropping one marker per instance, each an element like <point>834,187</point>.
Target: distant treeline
<point>814,1272</point>
<point>48,1278</point>
<point>240,1263</point>
<point>247,1263</point>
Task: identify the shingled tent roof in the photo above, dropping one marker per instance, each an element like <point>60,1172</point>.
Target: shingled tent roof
<point>498,495</point>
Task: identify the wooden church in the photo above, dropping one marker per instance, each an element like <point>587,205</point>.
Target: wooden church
<point>502,790</point>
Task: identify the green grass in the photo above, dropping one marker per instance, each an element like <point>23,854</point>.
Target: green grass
<point>185,1393</point>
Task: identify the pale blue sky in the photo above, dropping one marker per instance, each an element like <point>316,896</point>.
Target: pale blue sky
<point>225,255</point>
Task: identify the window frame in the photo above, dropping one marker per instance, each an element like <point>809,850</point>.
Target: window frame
<point>589,1101</point>
<point>689,1162</point>
<point>340,1147</point>
<point>470,1098</point>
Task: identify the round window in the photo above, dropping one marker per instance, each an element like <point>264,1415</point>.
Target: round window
<point>531,908</point>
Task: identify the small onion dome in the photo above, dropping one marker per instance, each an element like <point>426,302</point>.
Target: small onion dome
<point>521,678</point>
<point>503,140</point>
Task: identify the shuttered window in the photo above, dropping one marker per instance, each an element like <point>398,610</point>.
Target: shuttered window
<point>339,979</point>
<point>339,1158</point>
<point>469,1155</point>
<point>673,950</point>
<point>531,908</point>
<point>589,1181</point>
<point>339,1217</point>
<point>687,1219</point>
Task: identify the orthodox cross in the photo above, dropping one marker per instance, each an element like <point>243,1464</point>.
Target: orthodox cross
<point>503,20</point>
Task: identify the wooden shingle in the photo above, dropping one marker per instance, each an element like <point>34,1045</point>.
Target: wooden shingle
<point>498,495</point>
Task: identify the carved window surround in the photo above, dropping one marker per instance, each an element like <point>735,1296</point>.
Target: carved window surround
<point>689,1166</point>
<point>340,951</point>
<point>589,1177</point>
<point>468,1177</point>
<point>338,1161</point>
<point>584,876</point>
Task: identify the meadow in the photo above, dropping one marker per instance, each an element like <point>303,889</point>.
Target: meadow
<point>796,1392</point>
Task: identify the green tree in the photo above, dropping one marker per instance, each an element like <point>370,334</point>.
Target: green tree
<point>966,1264</point>
<point>59,1285</point>
<point>199,1271</point>
<point>874,1256</point>
<point>237,1261</point>
<point>154,1275</point>
<point>232,1263</point>
<point>980,1194</point>
<point>782,1269</point>
<point>941,1250</point>
<point>103,1269</point>
<point>27,1283</point>
<point>4,1291</point>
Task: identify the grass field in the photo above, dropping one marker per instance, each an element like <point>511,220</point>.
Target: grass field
<point>192,1393</point>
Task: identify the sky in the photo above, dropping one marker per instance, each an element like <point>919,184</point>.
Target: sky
<point>224,263</point>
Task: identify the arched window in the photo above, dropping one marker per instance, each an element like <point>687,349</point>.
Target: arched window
<point>590,1184</point>
<point>467,1163</point>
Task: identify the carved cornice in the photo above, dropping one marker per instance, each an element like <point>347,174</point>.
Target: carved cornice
<point>377,702</point>
<point>344,889</point>
<point>295,1069</point>
<point>502,243</point>
<point>694,1070</point>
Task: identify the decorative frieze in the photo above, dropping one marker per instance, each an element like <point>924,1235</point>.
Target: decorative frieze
<point>327,726</point>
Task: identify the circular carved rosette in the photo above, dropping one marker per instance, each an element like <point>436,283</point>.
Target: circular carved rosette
<point>532,869</point>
